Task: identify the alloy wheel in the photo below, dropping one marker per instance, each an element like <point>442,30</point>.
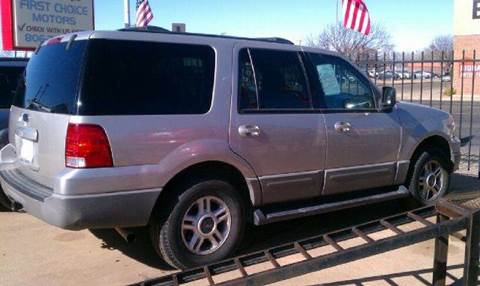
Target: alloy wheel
<point>206,225</point>
<point>431,181</point>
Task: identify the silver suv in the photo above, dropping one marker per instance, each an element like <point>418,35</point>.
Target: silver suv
<point>196,135</point>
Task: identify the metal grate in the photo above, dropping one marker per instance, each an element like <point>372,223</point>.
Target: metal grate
<point>449,220</point>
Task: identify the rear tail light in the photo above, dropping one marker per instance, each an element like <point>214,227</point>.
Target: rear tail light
<point>87,146</point>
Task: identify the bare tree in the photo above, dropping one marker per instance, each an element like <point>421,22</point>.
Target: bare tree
<point>351,43</point>
<point>442,43</point>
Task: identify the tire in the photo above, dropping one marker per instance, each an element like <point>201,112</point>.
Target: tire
<point>173,235</point>
<point>430,177</point>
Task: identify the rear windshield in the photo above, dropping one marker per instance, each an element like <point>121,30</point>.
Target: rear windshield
<point>119,78</point>
<point>52,78</point>
<point>127,77</point>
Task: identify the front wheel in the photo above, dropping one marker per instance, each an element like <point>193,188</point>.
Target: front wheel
<point>430,179</point>
<point>205,225</point>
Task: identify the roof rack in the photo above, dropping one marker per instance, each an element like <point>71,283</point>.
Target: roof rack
<point>155,29</point>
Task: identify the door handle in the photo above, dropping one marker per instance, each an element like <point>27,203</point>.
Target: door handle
<point>344,127</point>
<point>249,130</point>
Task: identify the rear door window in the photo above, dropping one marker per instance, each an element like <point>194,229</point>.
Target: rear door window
<point>135,78</point>
<point>271,79</point>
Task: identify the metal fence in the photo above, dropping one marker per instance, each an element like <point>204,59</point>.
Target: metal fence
<point>306,258</point>
<point>442,80</point>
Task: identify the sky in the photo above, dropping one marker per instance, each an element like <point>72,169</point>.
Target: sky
<point>412,23</point>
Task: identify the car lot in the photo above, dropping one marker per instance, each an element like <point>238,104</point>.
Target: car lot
<point>32,252</point>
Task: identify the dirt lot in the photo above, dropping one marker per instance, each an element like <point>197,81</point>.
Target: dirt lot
<point>34,253</point>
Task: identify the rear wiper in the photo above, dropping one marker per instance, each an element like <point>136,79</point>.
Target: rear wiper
<point>39,106</point>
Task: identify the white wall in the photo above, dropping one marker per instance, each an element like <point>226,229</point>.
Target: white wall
<point>464,24</point>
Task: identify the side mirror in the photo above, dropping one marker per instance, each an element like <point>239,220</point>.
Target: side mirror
<point>389,98</point>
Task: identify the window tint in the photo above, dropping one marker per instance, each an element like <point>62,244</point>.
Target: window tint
<point>343,87</point>
<point>9,78</point>
<point>52,77</point>
<point>247,88</point>
<point>277,76</point>
<point>126,78</point>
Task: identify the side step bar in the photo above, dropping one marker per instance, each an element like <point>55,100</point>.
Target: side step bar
<point>260,217</point>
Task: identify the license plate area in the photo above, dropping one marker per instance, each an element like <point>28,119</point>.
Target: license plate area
<point>27,151</point>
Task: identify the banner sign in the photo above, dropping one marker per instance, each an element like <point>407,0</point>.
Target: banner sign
<point>27,23</point>
<point>467,70</point>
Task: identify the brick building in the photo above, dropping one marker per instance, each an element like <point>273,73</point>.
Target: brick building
<point>467,39</point>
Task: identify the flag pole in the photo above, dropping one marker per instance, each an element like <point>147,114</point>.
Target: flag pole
<point>126,4</point>
<point>337,12</point>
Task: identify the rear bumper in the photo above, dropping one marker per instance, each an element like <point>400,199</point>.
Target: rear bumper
<point>104,210</point>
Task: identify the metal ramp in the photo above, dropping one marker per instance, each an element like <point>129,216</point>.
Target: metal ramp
<point>307,255</point>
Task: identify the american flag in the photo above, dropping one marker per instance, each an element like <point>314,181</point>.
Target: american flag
<point>144,13</point>
<point>356,16</point>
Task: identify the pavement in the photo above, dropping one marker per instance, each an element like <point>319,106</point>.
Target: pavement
<point>34,253</point>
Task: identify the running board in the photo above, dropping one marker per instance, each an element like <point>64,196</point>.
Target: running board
<point>260,217</point>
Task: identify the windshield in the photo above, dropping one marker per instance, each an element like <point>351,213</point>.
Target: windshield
<point>51,79</point>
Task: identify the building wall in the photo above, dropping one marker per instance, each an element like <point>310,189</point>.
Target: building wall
<point>466,40</point>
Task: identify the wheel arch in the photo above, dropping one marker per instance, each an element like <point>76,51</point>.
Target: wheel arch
<point>433,141</point>
<point>248,187</point>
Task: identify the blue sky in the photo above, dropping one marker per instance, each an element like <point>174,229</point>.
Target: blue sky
<point>412,23</point>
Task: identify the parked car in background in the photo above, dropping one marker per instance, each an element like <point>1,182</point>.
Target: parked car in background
<point>372,74</point>
<point>197,135</point>
<point>388,75</point>
<point>423,74</point>
<point>11,70</point>
<point>446,78</point>
<point>405,75</point>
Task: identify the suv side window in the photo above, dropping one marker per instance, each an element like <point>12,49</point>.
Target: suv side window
<point>155,78</point>
<point>344,88</point>
<point>275,80</point>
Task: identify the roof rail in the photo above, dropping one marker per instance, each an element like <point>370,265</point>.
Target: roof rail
<point>150,29</point>
<point>155,29</point>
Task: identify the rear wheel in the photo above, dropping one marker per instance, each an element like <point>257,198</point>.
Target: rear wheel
<point>430,178</point>
<point>205,225</point>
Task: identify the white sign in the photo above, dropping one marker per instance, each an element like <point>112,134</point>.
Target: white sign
<point>35,21</point>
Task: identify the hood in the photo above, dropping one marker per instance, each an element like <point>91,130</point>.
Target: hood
<point>421,111</point>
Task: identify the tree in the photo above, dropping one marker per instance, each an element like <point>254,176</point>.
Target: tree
<point>442,43</point>
<point>348,42</point>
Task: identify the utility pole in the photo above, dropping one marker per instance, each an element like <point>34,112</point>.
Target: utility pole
<point>126,4</point>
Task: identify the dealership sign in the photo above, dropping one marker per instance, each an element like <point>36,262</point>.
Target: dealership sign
<point>27,23</point>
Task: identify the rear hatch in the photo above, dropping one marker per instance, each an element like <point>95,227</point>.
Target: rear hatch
<point>45,100</point>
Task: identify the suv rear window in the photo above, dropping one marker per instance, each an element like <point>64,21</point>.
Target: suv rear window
<point>52,77</point>
<point>127,78</point>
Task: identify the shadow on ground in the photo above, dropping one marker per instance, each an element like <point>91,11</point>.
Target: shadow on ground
<point>388,279</point>
<point>3,209</point>
<point>140,250</point>
<point>463,183</point>
<point>261,237</point>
